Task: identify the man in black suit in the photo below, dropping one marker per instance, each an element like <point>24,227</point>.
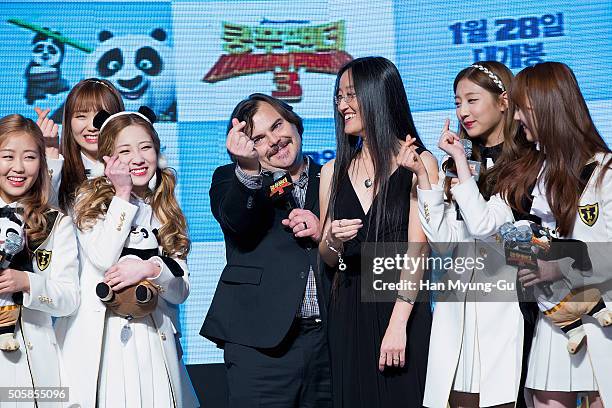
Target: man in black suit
<point>269,308</point>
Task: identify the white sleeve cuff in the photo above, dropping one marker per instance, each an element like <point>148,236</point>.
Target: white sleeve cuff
<point>435,196</point>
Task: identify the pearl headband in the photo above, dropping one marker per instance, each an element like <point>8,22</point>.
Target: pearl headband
<point>97,81</point>
<point>491,75</point>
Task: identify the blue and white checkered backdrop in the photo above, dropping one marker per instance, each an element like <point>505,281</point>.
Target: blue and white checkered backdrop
<point>193,61</point>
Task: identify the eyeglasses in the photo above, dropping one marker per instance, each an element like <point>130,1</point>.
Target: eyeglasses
<point>347,98</point>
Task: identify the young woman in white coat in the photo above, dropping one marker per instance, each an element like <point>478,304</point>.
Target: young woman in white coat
<point>45,272</point>
<point>111,361</point>
<point>72,160</point>
<point>562,179</point>
<point>476,346</point>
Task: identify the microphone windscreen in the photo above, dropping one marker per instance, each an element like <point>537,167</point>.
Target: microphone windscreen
<point>279,174</point>
<point>13,243</point>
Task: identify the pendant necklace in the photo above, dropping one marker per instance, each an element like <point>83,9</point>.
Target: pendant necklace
<point>368,182</point>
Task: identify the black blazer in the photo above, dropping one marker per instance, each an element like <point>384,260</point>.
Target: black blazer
<point>262,285</point>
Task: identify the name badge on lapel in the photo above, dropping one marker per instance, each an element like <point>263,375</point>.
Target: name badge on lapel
<point>589,213</point>
<point>43,259</point>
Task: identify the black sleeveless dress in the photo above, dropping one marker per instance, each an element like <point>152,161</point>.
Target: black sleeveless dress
<point>357,328</point>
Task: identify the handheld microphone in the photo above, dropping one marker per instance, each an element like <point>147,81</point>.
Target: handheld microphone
<point>467,147</point>
<point>474,169</point>
<point>474,164</point>
<point>523,248</point>
<point>281,190</point>
<point>12,246</point>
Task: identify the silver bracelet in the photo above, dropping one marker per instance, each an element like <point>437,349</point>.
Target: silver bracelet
<point>341,264</point>
<point>405,299</point>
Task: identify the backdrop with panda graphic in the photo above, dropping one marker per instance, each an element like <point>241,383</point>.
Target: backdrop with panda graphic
<point>48,49</point>
<point>192,61</point>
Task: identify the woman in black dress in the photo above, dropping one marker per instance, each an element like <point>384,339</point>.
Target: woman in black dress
<point>378,347</point>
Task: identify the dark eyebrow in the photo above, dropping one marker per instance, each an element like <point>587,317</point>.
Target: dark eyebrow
<point>13,151</point>
<point>276,122</point>
<point>468,95</point>
<point>348,88</point>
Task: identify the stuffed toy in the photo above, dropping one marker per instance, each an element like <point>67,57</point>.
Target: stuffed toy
<point>11,243</point>
<point>524,243</point>
<point>140,300</point>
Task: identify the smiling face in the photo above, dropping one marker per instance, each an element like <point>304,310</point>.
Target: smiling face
<point>84,132</point>
<point>347,104</point>
<point>277,141</point>
<point>134,147</point>
<point>480,112</point>
<point>141,68</point>
<point>19,165</point>
<point>47,53</point>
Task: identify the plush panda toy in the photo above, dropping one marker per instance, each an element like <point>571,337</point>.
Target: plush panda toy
<point>140,67</point>
<point>43,74</point>
<point>138,300</point>
<point>564,306</point>
<point>11,243</point>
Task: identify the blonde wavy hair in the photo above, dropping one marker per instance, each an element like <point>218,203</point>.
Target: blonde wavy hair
<point>35,201</point>
<point>94,196</point>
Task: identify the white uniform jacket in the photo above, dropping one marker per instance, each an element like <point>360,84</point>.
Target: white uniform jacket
<point>92,169</point>
<point>54,292</point>
<point>499,327</point>
<point>55,171</point>
<point>80,336</point>
<point>593,225</point>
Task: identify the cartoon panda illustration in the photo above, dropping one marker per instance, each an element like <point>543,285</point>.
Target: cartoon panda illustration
<point>140,67</point>
<point>138,300</point>
<point>43,74</point>
<point>11,243</point>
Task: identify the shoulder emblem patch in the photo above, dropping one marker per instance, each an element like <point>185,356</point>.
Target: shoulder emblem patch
<point>43,259</point>
<point>589,213</point>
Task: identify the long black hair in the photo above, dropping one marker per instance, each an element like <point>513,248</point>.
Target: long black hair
<point>387,120</point>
